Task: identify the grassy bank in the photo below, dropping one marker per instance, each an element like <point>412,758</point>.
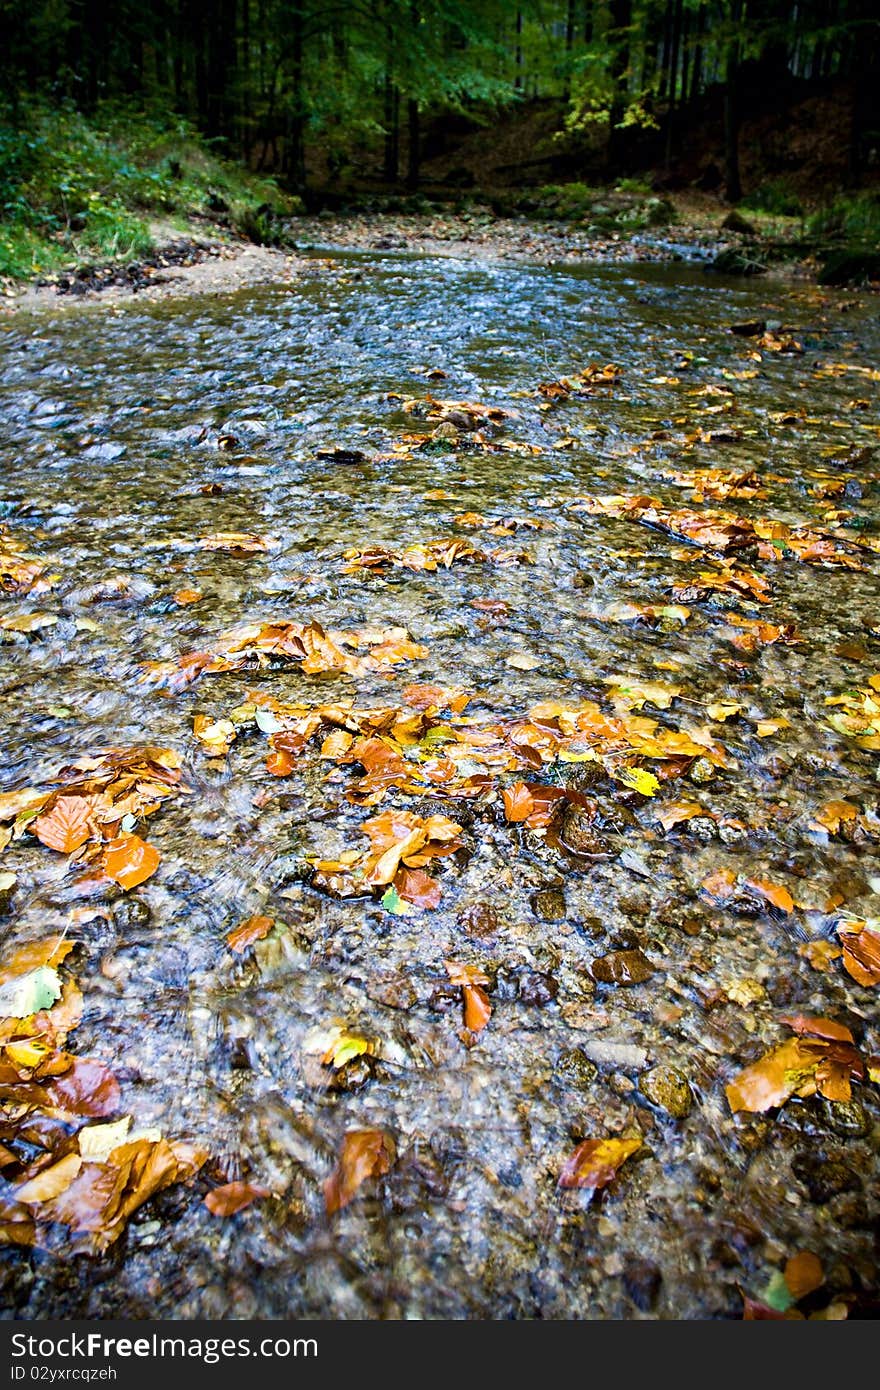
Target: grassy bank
<point>77,191</point>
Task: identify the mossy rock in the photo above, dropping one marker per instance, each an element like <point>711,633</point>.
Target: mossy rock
<point>733,262</point>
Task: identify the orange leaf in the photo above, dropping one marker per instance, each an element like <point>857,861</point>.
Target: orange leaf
<point>247,932</point>
<point>366,1153</point>
<point>129,860</point>
<point>67,825</point>
<point>774,1078</point>
<point>233,1197</point>
<point>279,763</point>
<point>861,952</point>
<point>803,1274</point>
<point>477,1009</point>
<point>518,802</point>
<point>185,596</point>
<point>595,1162</point>
<point>812,1026</point>
<point>773,892</point>
<point>719,884</point>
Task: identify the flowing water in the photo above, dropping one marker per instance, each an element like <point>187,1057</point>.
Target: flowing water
<point>129,433</point>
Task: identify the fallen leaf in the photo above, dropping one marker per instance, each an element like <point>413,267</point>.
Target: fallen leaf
<point>49,1182</point>
<point>595,1162</point>
<point>67,825</point>
<point>774,893</point>
<point>233,1197</point>
<point>523,661</point>
<point>803,1274</point>
<point>129,860</point>
<point>518,802</point>
<point>87,1088</point>
<point>247,932</point>
<point>366,1153</point>
<point>97,1142</point>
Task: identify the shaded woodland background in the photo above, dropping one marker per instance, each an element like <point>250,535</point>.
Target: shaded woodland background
<point>295,86</point>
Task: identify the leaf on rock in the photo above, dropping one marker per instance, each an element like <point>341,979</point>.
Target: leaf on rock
<point>821,1057</point>
<point>366,1153</point>
<point>247,932</point>
<point>129,860</point>
<point>595,1162</point>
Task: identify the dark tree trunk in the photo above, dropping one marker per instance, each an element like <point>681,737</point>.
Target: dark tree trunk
<point>518,55</point>
<point>673,79</point>
<point>732,184</point>
<point>621,19</point>
<point>413,156</point>
<point>663,88</point>
<point>294,144</point>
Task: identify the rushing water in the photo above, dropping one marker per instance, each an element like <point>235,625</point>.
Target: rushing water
<point>113,423</point>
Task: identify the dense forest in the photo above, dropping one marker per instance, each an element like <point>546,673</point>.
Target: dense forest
<point>282,82</point>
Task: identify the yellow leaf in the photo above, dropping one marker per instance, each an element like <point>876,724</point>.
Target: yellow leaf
<point>639,779</point>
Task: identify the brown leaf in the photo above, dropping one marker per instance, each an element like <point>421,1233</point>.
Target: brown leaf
<point>247,932</point>
<point>102,1197</point>
<point>719,884</point>
<point>810,1025</point>
<point>51,1181</point>
<point>52,950</point>
<point>279,763</point>
<point>595,1162</point>
<point>366,1153</point>
<point>88,1088</point>
<point>129,860</point>
<point>861,952</point>
<point>803,1274</point>
<point>233,1197</point>
<point>418,888</point>
<point>67,825</point>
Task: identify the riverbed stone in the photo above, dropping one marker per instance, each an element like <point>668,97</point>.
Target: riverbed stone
<point>548,904</point>
<point>668,1089</point>
<point>622,968</point>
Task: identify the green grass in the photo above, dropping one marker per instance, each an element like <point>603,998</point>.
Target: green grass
<point>851,217</point>
<point>77,190</point>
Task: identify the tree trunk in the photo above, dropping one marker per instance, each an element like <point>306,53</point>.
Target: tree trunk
<point>621,19</point>
<point>518,55</point>
<point>413,156</point>
<point>673,80</point>
<point>294,144</point>
<point>732,184</point>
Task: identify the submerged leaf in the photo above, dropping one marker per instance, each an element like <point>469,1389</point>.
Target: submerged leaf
<point>595,1162</point>
<point>366,1153</point>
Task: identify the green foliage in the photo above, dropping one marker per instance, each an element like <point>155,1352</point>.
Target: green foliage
<point>74,188</point>
<point>854,217</point>
<point>776,197</point>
